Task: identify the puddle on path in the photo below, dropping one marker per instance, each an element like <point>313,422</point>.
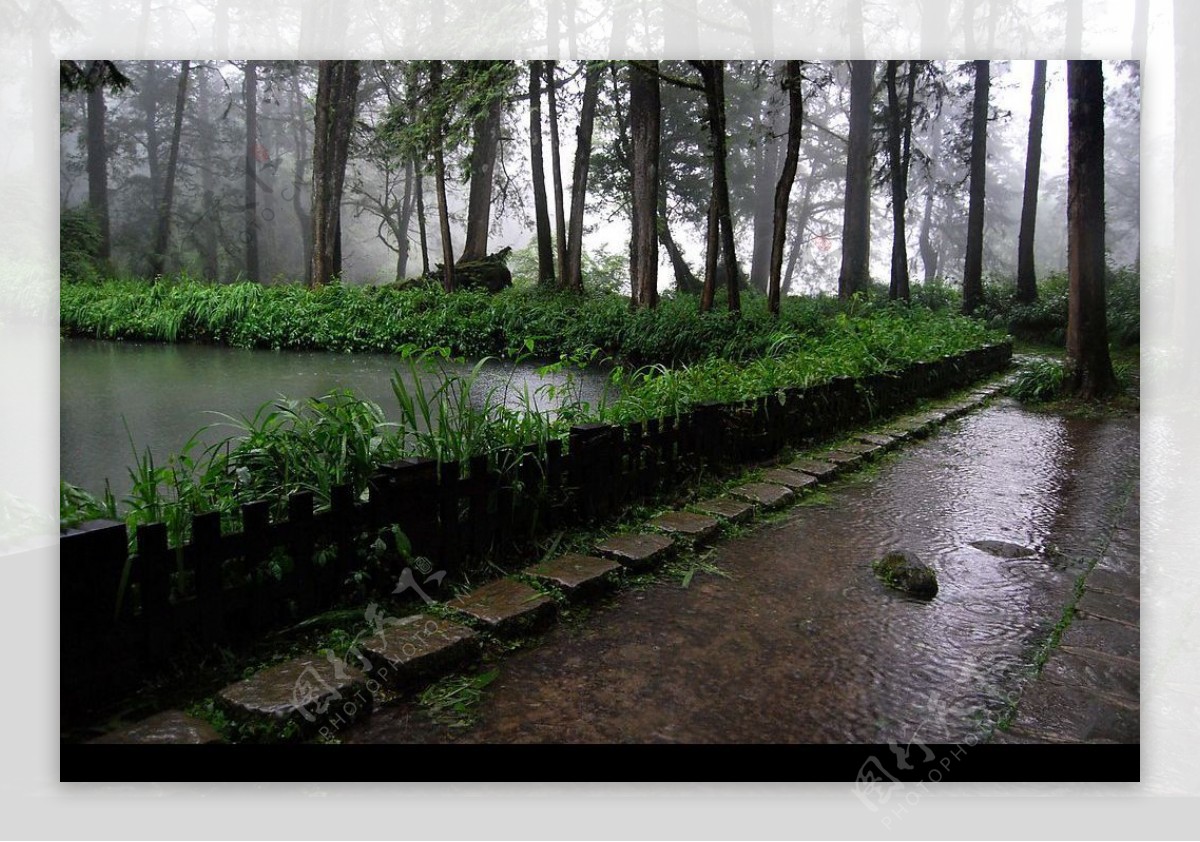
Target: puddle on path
<point>802,644</point>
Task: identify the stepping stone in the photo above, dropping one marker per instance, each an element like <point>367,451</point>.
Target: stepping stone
<point>314,692</point>
<point>505,605</point>
<point>692,527</point>
<point>636,551</point>
<point>795,480</point>
<point>171,727</point>
<point>764,494</point>
<point>820,470</point>
<point>840,458</point>
<point>416,646</point>
<point>859,449</point>
<point>578,575</point>
<point>880,439</point>
<point>735,511</point>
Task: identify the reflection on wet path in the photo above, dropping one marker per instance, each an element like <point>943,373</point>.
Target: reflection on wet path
<point>802,644</point>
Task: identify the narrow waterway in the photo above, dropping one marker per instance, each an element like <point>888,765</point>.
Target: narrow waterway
<point>120,398</point>
<point>801,643</point>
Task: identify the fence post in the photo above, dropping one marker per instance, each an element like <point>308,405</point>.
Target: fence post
<point>206,562</point>
<point>153,568</point>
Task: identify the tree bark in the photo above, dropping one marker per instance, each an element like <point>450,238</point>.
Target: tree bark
<point>483,167</point>
<point>645,128</point>
<point>97,159</point>
<point>439,167</point>
<point>1026,273</point>
<point>929,255</point>
<point>301,143</point>
<point>899,128</point>
<point>337,93</point>
<point>713,73</point>
<point>712,249</point>
<point>206,233</point>
<point>560,217</point>
<point>249,170</point>
<point>405,222</point>
<point>573,278</point>
<point>783,190</point>
<point>973,264</point>
<point>163,238</point>
<point>424,237</point>
<point>1091,372</point>
<point>855,273</point>
<point>541,212</point>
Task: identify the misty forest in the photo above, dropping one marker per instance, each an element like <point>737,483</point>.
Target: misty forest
<point>331,325</point>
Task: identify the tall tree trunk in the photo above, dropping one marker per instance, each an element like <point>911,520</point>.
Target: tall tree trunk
<point>713,73</point>
<point>301,144</point>
<point>439,170</point>
<point>337,95</point>
<point>766,176</point>
<point>541,212</point>
<point>207,231</point>
<point>560,216</point>
<point>424,237</point>
<point>855,273</point>
<point>163,238</point>
<point>573,278</point>
<point>798,244</point>
<point>1026,274</point>
<point>483,167</point>
<point>783,190</point>
<point>973,264</point>
<point>712,250</point>
<point>899,134</point>
<point>929,255</point>
<point>1087,328</point>
<point>645,128</point>
<point>685,280</point>
<point>249,168</point>
<point>405,222</point>
<point>97,158</point>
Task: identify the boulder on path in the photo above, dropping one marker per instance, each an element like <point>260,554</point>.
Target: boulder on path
<point>902,570</point>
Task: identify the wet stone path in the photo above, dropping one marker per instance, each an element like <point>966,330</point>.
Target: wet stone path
<point>799,643</point>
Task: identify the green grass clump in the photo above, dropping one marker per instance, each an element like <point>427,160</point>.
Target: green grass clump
<point>1039,381</point>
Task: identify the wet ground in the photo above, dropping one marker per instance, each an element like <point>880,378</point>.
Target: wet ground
<point>801,644</point>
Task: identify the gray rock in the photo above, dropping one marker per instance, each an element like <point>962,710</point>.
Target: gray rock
<point>904,571</point>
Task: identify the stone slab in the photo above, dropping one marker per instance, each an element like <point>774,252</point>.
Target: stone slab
<point>636,550</point>
<point>687,525</point>
<point>736,511</point>
<point>814,467</point>
<point>1084,668</point>
<point>310,691</point>
<point>578,575</point>
<point>795,480</point>
<point>1055,713</point>
<point>505,605</point>
<point>1105,636</point>
<point>1115,582</point>
<point>1095,603</point>
<point>764,494</point>
<point>171,727</point>
<point>846,460</point>
<point>859,449</point>
<point>415,647</point>
<point>883,440</point>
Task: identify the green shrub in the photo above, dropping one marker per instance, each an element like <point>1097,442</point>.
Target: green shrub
<point>1039,381</point>
<point>79,246</point>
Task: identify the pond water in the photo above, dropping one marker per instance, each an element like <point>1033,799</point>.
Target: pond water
<point>121,397</point>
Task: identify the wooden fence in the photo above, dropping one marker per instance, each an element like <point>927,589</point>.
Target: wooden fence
<point>219,588</point>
